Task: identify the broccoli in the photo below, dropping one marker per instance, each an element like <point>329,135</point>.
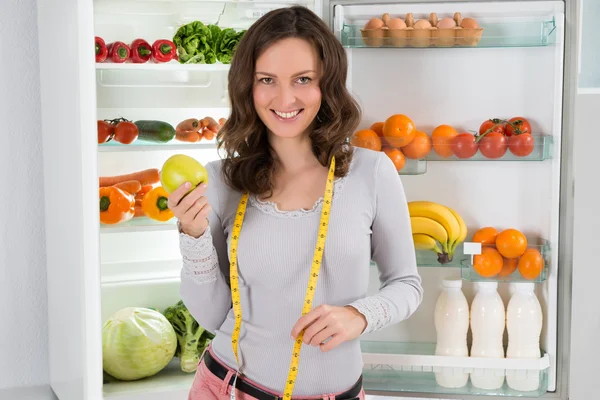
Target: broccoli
<point>192,339</point>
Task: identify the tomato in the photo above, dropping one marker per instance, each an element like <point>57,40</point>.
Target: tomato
<point>105,131</point>
<point>179,169</point>
<point>126,132</point>
<point>464,146</point>
<point>495,124</point>
<point>517,125</point>
<point>521,145</point>
<point>493,145</point>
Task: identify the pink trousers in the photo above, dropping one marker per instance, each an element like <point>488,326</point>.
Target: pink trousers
<point>208,386</point>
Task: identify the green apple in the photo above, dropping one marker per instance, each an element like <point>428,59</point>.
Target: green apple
<point>179,169</point>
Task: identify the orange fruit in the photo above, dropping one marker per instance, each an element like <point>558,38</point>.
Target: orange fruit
<point>398,130</point>
<point>441,138</point>
<point>366,138</point>
<point>531,264</point>
<point>511,243</point>
<point>396,156</point>
<point>485,235</point>
<point>377,127</point>
<point>508,267</point>
<point>419,147</point>
<point>489,263</point>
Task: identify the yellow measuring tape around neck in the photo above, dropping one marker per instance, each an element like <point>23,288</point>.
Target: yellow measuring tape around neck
<point>312,281</point>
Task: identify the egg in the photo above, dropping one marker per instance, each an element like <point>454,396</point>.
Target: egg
<point>422,24</point>
<point>446,23</point>
<point>374,23</point>
<point>396,23</point>
<point>469,23</point>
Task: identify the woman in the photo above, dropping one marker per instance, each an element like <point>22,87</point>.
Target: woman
<point>290,121</point>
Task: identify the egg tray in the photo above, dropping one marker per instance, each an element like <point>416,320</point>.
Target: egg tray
<point>429,37</point>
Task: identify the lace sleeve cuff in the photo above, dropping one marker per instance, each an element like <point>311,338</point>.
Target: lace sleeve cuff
<point>200,261</point>
<point>377,311</point>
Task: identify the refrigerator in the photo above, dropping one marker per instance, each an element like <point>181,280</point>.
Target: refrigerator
<point>519,62</point>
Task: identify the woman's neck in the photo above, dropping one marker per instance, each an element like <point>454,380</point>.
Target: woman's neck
<point>293,154</point>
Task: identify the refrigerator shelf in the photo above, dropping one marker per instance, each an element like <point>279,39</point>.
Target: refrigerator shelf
<point>140,145</point>
<point>542,150</point>
<point>168,66</point>
<point>139,224</point>
<point>511,33</point>
<point>469,273</point>
<point>411,367</point>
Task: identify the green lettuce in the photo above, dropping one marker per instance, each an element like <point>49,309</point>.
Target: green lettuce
<point>205,44</point>
<point>228,42</point>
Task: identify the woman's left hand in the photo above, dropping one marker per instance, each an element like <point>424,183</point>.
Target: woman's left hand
<point>338,323</point>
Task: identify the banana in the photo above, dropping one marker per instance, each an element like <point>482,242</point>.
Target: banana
<point>430,227</point>
<point>426,242</point>
<point>438,213</point>
<point>463,232</point>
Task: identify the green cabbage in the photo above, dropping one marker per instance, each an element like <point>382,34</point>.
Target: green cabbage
<point>137,343</point>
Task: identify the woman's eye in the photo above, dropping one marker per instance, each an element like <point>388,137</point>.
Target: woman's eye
<point>267,81</point>
<point>304,80</point>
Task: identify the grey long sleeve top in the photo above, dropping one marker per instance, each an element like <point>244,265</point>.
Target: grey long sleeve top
<point>369,221</point>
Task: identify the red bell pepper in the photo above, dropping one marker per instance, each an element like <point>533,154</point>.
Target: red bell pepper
<point>164,51</point>
<point>101,50</point>
<point>119,52</point>
<point>140,51</point>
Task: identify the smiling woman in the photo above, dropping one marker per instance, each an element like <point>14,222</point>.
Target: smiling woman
<point>277,248</point>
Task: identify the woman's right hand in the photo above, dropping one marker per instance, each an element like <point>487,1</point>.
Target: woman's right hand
<point>191,210</point>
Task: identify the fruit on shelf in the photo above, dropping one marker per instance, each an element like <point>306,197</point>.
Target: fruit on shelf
<point>155,131</point>
<point>398,130</point>
<point>512,247</point>
<point>419,147</point>
<point>366,138</point>
<point>521,144</point>
<point>492,145</point>
<point>396,156</point>
<point>179,169</point>
<point>118,52</point>
<point>116,205</point>
<point>141,51</point>
<point>101,49</point>
<point>155,204</point>
<point>442,138</point>
<point>493,125</point>
<point>436,222</point>
<point>464,145</point>
<point>517,126</point>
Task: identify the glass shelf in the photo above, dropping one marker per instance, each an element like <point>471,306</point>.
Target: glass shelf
<point>414,167</point>
<point>168,66</point>
<point>469,273</point>
<point>542,150</point>
<point>141,145</point>
<point>411,367</point>
<point>500,34</point>
<point>139,224</point>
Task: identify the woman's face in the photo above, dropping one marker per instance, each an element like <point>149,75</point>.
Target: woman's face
<point>287,96</point>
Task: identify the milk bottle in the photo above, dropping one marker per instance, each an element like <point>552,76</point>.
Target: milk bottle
<point>524,325</point>
<point>451,323</point>
<point>487,327</point>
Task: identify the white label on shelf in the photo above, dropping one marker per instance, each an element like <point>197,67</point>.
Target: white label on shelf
<point>255,13</point>
<point>471,248</point>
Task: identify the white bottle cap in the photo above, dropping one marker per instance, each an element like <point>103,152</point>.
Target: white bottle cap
<point>487,285</point>
<point>524,286</point>
<point>452,283</point>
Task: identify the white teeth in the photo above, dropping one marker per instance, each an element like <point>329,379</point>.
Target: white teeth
<point>287,115</point>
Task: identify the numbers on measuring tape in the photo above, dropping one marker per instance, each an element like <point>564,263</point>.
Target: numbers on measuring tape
<point>310,290</point>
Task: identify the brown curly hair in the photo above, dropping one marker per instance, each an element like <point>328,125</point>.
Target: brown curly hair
<point>249,160</point>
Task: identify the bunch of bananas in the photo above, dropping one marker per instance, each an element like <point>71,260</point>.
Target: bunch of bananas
<point>437,228</point>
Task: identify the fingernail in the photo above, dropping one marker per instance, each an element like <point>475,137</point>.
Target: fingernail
<point>204,185</point>
<point>188,185</point>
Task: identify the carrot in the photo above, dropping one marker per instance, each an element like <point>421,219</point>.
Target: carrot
<point>204,122</point>
<point>144,177</point>
<point>222,121</point>
<point>129,186</point>
<point>145,189</point>
<point>208,134</point>
<point>190,124</point>
<point>139,212</point>
<point>212,124</point>
<point>189,136</point>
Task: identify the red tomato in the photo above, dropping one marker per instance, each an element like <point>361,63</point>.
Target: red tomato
<point>105,131</point>
<point>126,132</point>
<point>464,146</point>
<point>495,124</point>
<point>493,145</point>
<point>521,145</point>
<point>517,125</point>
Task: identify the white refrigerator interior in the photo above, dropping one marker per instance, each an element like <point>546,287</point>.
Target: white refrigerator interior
<point>514,69</point>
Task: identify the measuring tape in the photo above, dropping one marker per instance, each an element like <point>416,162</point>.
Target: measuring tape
<point>310,289</point>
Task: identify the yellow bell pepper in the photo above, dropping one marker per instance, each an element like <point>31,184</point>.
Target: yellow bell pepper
<point>155,204</point>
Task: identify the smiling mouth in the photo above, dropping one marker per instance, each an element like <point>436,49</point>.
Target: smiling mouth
<point>287,115</point>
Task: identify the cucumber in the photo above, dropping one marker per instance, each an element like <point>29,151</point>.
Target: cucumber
<point>155,131</point>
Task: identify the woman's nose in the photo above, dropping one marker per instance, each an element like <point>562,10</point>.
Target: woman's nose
<point>287,96</point>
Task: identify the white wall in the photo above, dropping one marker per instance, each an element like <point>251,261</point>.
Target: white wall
<point>23,319</point>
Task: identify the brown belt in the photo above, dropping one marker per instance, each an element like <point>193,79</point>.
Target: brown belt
<point>221,372</point>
